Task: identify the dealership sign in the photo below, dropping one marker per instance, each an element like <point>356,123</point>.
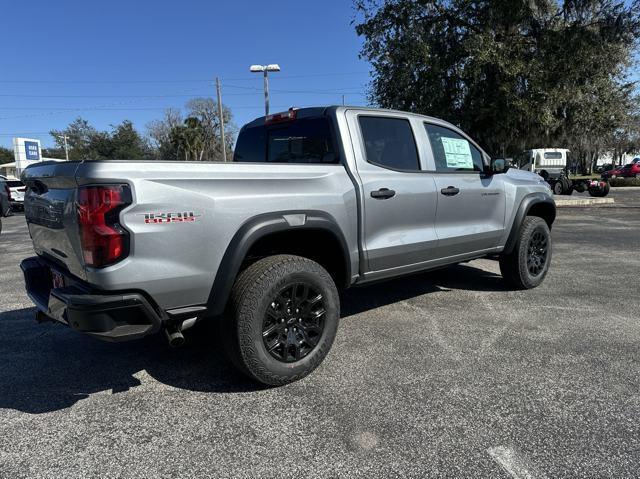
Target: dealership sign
<point>32,150</point>
<point>26,151</point>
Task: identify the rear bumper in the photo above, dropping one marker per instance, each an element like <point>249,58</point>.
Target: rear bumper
<point>107,316</point>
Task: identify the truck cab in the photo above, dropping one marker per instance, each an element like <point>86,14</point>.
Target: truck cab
<point>546,162</point>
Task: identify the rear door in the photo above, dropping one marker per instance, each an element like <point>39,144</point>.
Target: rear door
<point>399,199</point>
<point>471,205</point>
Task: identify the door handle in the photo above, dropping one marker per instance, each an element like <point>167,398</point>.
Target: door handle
<point>450,191</point>
<point>383,194</point>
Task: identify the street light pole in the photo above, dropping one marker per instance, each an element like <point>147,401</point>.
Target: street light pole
<point>265,69</point>
<point>266,92</point>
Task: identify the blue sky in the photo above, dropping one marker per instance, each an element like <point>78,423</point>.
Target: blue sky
<point>98,60</point>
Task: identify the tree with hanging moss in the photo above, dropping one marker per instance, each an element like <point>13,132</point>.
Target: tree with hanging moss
<point>515,74</point>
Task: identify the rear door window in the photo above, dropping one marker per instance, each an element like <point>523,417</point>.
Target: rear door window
<point>306,140</point>
<point>389,143</point>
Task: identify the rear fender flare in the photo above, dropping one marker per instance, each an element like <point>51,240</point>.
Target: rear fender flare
<point>257,228</point>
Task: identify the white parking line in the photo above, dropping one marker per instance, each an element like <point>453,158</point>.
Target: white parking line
<point>514,464</point>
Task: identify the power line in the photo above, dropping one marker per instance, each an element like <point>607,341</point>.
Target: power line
<point>255,91</point>
<point>333,91</point>
<point>61,111</point>
<point>308,75</point>
<point>26,133</point>
<point>89,108</point>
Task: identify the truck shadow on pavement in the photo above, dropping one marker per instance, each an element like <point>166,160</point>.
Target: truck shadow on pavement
<point>464,277</point>
<point>48,367</point>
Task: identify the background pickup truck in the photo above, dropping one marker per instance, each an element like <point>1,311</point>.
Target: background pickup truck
<point>315,200</point>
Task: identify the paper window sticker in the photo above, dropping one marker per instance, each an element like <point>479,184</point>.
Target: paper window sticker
<point>457,153</point>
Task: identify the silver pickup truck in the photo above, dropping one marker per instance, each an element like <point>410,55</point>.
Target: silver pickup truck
<point>315,200</point>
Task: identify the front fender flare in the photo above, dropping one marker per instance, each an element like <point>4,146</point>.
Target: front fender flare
<point>523,210</point>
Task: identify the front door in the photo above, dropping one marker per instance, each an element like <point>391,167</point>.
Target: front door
<point>471,204</point>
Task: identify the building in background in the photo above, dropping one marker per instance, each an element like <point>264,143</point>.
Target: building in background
<point>26,152</point>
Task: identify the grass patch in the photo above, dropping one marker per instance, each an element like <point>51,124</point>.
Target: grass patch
<point>595,176</point>
<point>618,182</point>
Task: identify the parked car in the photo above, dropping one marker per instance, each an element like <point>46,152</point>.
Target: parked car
<point>613,173</point>
<point>632,170</point>
<point>315,200</point>
<point>5,200</point>
<point>605,167</point>
<point>17,189</point>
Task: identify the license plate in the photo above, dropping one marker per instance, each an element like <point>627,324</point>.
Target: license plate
<point>57,280</point>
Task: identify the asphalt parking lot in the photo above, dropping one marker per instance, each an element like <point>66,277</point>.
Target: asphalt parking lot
<point>445,374</point>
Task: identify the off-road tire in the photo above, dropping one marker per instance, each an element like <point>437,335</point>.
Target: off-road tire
<point>252,293</point>
<point>514,267</point>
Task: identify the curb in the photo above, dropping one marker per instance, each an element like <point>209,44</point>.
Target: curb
<point>577,202</point>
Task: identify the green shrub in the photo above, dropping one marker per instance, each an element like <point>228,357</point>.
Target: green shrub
<point>625,182</point>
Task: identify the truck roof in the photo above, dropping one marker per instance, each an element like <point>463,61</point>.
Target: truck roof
<point>307,112</point>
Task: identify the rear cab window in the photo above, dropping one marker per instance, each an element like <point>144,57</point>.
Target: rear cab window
<point>452,152</point>
<point>300,141</point>
<point>389,143</point>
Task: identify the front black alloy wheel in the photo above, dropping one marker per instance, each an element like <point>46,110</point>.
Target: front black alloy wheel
<point>537,252</point>
<point>294,322</point>
<point>527,264</point>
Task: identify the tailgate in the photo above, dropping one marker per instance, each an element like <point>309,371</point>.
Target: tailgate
<point>50,211</point>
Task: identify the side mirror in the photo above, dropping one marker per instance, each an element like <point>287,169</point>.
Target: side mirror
<point>498,165</point>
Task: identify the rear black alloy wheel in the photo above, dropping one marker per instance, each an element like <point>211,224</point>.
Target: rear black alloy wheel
<point>537,253</point>
<point>283,318</point>
<point>293,322</point>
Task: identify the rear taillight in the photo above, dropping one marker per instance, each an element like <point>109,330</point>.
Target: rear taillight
<point>103,240</point>
<point>6,187</point>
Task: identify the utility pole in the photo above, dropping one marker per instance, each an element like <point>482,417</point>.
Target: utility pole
<point>342,100</point>
<point>221,119</point>
<point>66,147</point>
